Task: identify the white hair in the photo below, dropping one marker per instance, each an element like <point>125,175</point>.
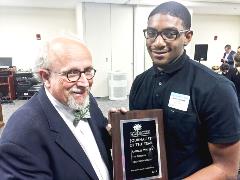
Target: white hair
<point>42,61</point>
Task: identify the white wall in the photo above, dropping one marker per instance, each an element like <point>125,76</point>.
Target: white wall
<point>205,27</point>
<point>19,27</point>
<point>79,20</point>
<point>141,59</point>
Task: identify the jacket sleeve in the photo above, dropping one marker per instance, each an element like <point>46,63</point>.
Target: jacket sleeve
<point>19,164</point>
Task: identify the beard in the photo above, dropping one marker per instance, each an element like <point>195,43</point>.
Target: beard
<point>73,104</point>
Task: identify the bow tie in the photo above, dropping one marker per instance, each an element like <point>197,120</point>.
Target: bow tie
<point>82,114</point>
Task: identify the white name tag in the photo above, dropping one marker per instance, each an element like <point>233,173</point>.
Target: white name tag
<point>178,101</point>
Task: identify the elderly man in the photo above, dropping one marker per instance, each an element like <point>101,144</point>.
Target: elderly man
<point>60,132</point>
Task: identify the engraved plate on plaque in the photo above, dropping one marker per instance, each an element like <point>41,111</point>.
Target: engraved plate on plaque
<point>138,145</point>
<point>141,152</point>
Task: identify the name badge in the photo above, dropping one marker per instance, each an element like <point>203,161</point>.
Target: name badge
<point>178,101</point>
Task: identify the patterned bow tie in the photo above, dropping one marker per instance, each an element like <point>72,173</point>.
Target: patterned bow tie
<point>81,114</point>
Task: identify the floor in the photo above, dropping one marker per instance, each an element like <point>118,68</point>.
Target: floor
<point>104,103</point>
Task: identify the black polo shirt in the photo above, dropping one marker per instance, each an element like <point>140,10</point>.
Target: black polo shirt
<point>199,106</point>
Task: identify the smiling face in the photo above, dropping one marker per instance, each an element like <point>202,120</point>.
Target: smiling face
<point>163,51</point>
<point>66,55</point>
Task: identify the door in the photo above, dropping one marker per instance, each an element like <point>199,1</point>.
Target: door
<point>97,35</point>
<point>122,40</point>
<point>109,35</point>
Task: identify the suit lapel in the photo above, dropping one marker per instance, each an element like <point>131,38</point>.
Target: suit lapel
<point>99,141</point>
<point>63,135</point>
<point>97,136</point>
<point>73,149</point>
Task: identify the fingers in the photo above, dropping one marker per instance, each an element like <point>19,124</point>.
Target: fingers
<point>109,129</point>
<point>121,109</point>
<point>113,110</point>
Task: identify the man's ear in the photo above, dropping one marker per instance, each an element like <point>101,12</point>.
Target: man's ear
<point>44,74</point>
<point>188,37</point>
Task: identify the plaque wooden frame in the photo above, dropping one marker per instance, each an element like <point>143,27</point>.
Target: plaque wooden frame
<point>117,153</point>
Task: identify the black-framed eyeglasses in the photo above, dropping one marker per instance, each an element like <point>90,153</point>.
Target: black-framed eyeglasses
<point>74,74</point>
<point>166,34</point>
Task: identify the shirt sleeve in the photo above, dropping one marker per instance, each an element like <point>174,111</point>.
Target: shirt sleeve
<point>220,113</point>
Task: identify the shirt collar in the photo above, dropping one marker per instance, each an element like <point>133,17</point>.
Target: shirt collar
<point>61,108</point>
<point>173,66</point>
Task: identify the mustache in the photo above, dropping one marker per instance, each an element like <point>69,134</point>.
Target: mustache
<point>79,89</point>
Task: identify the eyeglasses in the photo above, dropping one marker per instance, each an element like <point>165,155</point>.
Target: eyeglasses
<point>74,74</point>
<point>166,34</point>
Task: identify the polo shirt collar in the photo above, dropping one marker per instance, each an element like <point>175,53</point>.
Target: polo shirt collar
<point>173,66</point>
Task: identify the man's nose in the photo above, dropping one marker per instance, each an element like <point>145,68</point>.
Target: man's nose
<point>83,81</point>
<point>159,40</point>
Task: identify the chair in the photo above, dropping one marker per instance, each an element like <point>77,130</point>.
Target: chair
<point>1,117</point>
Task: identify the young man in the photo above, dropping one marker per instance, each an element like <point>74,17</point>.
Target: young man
<point>44,139</point>
<point>201,112</point>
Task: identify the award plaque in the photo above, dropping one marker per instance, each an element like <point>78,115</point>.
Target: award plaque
<point>138,146</point>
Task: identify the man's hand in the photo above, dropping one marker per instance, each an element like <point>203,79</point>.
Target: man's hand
<point>114,110</point>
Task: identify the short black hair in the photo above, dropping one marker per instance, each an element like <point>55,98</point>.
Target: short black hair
<point>174,9</point>
<point>228,46</point>
<point>224,67</point>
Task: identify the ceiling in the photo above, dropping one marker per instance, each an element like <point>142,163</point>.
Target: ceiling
<point>228,7</point>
